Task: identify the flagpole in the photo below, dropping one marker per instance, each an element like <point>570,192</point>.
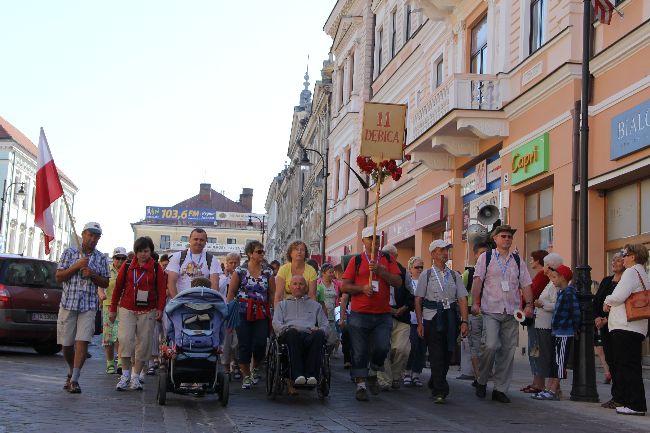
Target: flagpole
<point>74,230</point>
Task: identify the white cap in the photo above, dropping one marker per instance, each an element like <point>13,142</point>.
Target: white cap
<point>93,227</point>
<point>366,232</point>
<point>438,243</point>
<point>119,251</point>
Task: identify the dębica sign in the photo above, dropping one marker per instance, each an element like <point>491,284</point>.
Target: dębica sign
<point>630,131</point>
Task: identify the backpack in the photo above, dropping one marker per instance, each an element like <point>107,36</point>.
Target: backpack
<point>208,259</point>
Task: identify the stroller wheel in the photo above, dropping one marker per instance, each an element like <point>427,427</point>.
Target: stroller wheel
<point>162,386</point>
<point>223,388</point>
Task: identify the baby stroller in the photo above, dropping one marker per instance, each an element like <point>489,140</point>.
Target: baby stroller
<point>194,323</point>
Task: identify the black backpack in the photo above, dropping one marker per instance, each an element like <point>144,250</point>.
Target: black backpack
<point>208,259</point>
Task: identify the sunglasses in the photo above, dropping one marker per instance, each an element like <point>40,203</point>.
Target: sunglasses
<point>418,267</point>
<point>506,236</point>
<point>259,252</point>
<point>119,258</point>
<point>551,269</point>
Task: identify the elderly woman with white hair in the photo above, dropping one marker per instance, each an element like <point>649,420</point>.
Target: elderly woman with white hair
<point>545,305</point>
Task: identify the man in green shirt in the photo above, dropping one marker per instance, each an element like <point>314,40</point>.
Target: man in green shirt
<point>109,330</point>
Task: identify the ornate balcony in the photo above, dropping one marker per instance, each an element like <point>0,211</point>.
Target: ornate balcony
<point>438,10</point>
<point>450,121</point>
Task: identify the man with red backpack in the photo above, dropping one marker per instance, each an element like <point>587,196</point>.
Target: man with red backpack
<point>370,321</point>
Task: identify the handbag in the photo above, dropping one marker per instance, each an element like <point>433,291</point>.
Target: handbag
<point>637,305</point>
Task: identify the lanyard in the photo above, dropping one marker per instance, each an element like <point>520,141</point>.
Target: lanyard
<point>374,275</point>
<point>445,277</point>
<point>504,268</point>
<point>137,279</point>
<point>192,259</point>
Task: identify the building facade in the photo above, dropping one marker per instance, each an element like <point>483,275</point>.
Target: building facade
<point>491,90</point>
<point>229,224</point>
<point>18,234</point>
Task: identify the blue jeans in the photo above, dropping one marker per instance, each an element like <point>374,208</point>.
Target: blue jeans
<point>370,341</point>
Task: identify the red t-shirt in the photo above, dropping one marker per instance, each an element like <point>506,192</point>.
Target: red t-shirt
<point>378,302</point>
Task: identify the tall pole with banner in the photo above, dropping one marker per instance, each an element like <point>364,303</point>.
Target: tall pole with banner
<point>382,144</point>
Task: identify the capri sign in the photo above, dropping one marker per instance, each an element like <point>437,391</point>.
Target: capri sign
<point>530,159</point>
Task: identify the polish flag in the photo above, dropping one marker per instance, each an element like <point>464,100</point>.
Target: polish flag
<point>48,189</point>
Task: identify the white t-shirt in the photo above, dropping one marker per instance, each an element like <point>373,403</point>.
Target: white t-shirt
<point>194,266</point>
<point>224,282</point>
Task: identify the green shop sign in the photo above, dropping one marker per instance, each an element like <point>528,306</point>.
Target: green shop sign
<point>530,159</point>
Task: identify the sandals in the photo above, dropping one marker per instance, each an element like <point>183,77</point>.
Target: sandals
<point>417,382</point>
<point>407,380</point>
<point>151,371</point>
<point>530,389</point>
<point>66,385</point>
<point>611,404</point>
<point>236,374</point>
<point>74,388</point>
<point>110,369</point>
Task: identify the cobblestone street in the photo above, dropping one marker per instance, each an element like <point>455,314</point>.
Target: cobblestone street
<point>33,401</point>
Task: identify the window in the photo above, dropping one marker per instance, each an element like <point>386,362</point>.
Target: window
<point>165,241</point>
<point>407,22</point>
<point>337,172</point>
<point>341,78</point>
<point>539,221</point>
<point>26,193</point>
<point>536,25</point>
<point>30,273</point>
<point>346,181</point>
<point>439,72</point>
<point>478,53</point>
<point>212,240</point>
<point>16,188</point>
<point>393,35</point>
<point>185,239</point>
<point>628,214</point>
<point>33,200</point>
<point>351,75</point>
<point>380,37</point>
<point>231,241</point>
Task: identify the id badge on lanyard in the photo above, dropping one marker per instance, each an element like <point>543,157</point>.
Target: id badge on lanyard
<point>445,301</point>
<point>141,296</point>
<point>504,272</point>
<point>374,283</point>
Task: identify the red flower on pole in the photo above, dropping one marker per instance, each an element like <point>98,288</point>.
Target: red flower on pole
<point>379,172</point>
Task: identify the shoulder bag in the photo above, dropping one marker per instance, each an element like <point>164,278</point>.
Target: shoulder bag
<point>637,305</point>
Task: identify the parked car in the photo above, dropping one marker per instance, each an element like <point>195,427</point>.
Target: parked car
<point>29,303</point>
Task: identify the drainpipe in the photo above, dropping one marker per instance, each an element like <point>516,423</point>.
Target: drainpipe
<point>575,114</point>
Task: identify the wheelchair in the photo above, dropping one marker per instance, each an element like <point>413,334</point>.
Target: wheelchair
<point>278,369</point>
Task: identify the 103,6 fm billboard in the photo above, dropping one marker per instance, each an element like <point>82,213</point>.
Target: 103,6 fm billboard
<point>156,213</point>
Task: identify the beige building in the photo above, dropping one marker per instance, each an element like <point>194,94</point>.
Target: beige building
<point>229,224</point>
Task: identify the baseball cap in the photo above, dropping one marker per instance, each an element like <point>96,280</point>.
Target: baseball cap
<point>366,232</point>
<point>438,243</point>
<point>119,251</point>
<point>565,271</point>
<point>93,227</point>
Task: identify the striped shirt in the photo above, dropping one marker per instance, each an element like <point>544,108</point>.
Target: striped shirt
<point>80,294</point>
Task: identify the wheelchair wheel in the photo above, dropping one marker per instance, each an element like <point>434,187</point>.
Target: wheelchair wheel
<point>323,388</point>
<point>270,367</point>
<point>274,365</point>
<point>223,384</point>
<point>163,377</point>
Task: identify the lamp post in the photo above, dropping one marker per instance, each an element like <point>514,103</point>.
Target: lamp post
<point>306,163</point>
<point>584,369</point>
<point>6,188</point>
<point>261,220</point>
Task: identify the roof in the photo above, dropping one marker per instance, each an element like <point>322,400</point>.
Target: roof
<point>9,131</point>
<point>217,201</point>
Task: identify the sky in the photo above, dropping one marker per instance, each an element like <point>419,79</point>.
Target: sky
<point>143,100</point>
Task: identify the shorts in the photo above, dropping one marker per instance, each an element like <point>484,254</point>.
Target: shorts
<point>135,333</point>
<point>73,325</point>
<point>109,330</point>
<point>475,335</point>
<point>561,345</point>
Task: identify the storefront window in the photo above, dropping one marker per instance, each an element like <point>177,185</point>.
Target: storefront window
<point>541,239</point>
<point>539,221</point>
<point>622,212</point>
<point>645,206</point>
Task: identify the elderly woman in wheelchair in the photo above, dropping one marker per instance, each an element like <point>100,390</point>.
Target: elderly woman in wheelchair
<point>301,324</point>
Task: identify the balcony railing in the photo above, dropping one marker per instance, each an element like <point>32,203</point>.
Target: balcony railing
<point>460,91</point>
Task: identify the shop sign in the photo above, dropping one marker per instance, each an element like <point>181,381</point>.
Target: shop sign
<point>383,131</point>
<point>468,185</point>
<point>630,131</point>
<point>430,211</point>
<point>530,159</point>
<point>192,215</point>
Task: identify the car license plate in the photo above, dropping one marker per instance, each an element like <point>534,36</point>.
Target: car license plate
<point>44,317</point>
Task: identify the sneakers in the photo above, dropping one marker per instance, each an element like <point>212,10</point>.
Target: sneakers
<point>546,395</point>
<point>300,380</point>
<point>499,396</point>
<point>141,376</point>
<point>373,385</point>
<point>247,383</point>
<point>481,390</point>
<point>347,365</point>
<point>417,382</point>
<point>407,380</point>
<point>255,374</point>
<point>439,399</point>
<point>362,393</point>
<point>135,383</point>
<point>622,410</point>
<point>312,381</point>
<point>611,404</point>
<point>396,384</point>
<point>123,384</point>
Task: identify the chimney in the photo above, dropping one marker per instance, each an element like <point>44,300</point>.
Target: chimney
<point>205,192</point>
<point>246,199</point>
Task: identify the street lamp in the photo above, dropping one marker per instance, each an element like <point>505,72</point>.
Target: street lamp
<point>20,192</point>
<point>261,220</point>
<point>305,163</point>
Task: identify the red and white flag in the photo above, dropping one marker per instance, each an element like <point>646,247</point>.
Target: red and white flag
<point>48,189</point>
<point>603,10</point>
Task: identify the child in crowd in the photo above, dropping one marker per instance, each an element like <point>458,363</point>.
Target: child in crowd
<point>564,325</point>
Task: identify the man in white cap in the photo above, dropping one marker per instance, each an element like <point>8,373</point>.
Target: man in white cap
<point>370,321</point>
<point>439,297</point>
<point>109,330</point>
<point>82,273</point>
